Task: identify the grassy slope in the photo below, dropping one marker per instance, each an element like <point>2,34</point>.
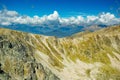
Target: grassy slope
<point>90,48</point>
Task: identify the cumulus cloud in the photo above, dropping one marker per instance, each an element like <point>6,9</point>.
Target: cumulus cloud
<point>54,20</point>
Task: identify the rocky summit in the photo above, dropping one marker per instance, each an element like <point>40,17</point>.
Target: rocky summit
<point>83,56</point>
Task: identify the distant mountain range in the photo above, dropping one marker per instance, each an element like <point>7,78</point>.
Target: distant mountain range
<point>56,31</point>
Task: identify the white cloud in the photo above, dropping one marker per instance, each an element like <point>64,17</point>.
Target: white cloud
<point>8,13</point>
<point>53,16</point>
<point>107,18</point>
<point>54,20</point>
<point>91,20</point>
<point>5,23</point>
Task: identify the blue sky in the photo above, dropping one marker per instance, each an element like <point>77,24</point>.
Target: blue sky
<point>65,8</point>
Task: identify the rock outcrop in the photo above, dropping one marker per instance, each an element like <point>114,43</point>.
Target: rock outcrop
<point>85,56</point>
<point>17,61</point>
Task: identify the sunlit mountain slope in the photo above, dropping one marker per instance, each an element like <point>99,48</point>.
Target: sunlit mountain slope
<point>84,56</point>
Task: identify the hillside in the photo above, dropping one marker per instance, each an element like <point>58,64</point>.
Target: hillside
<point>85,56</point>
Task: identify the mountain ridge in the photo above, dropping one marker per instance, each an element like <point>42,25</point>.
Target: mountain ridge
<point>93,56</point>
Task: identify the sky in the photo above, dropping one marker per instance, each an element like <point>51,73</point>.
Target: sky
<point>65,8</point>
<point>55,14</point>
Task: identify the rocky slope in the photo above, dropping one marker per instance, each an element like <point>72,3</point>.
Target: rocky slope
<point>85,56</point>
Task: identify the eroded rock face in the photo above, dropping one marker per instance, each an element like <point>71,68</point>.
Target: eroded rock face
<point>84,56</point>
<point>18,63</point>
